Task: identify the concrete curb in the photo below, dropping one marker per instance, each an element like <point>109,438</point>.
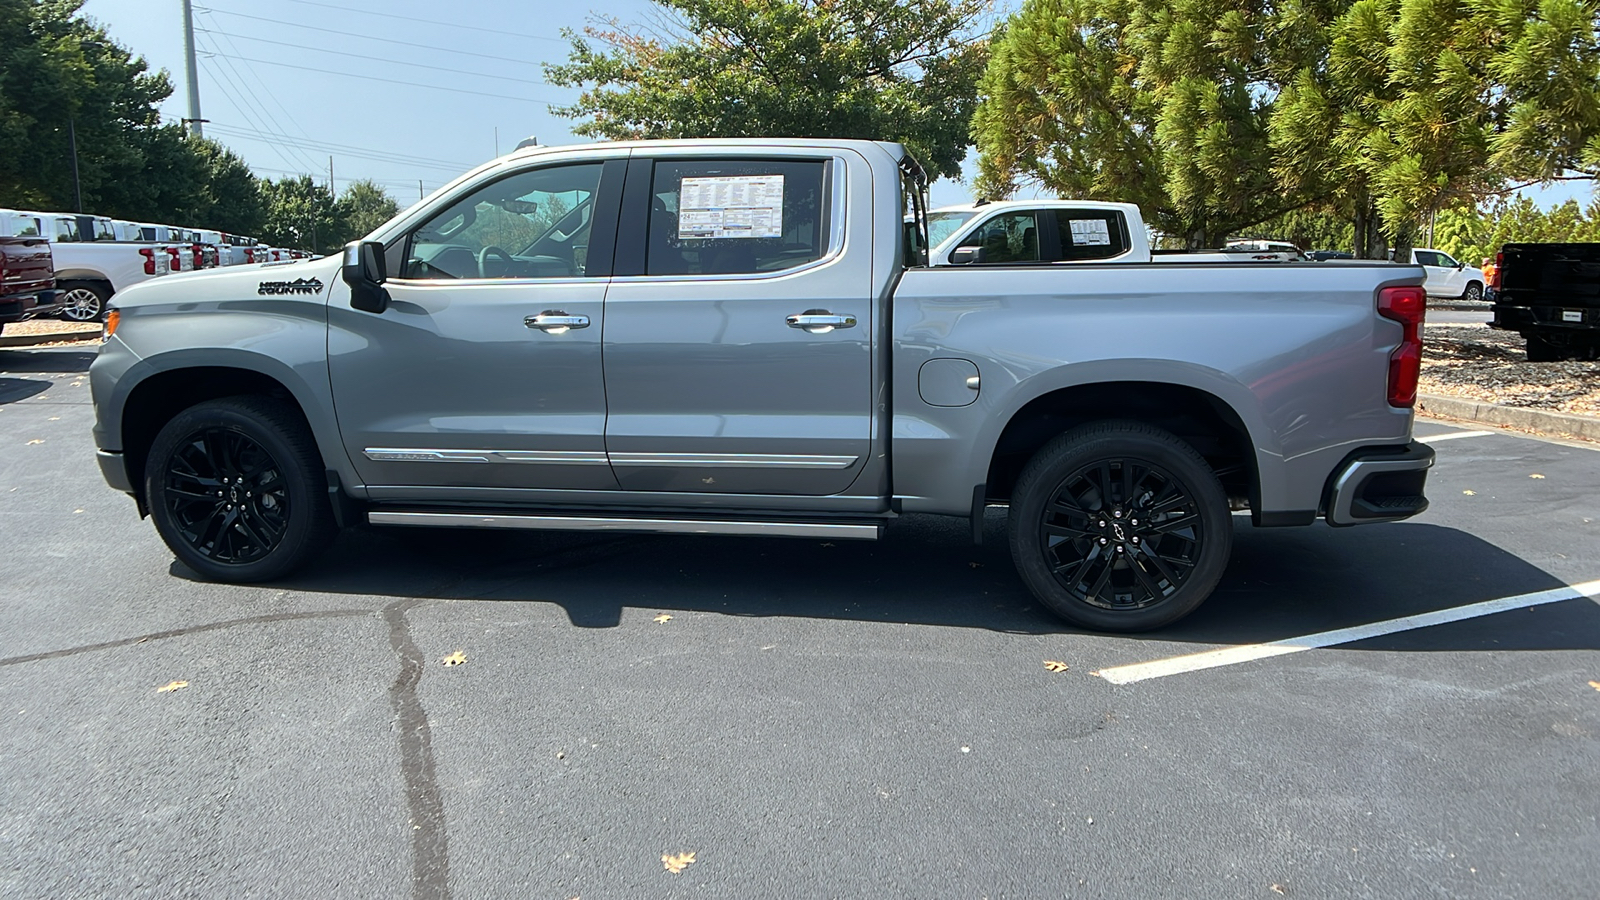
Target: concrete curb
<point>33,340</point>
<point>1536,420</point>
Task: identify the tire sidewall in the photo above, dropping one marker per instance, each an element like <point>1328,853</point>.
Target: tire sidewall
<point>1072,451</point>
<point>301,485</point>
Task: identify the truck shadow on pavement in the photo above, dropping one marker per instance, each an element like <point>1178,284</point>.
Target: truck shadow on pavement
<point>25,362</point>
<point>1281,583</point>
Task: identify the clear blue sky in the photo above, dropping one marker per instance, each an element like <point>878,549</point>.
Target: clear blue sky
<point>393,90</point>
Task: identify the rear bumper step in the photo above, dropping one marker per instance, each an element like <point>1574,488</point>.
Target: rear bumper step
<point>865,531</point>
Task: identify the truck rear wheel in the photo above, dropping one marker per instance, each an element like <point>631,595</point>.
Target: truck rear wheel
<point>1120,526</point>
<point>83,301</point>
<point>237,490</point>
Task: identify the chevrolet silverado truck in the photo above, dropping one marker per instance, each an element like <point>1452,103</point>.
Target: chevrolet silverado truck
<point>1550,294</point>
<point>27,281</point>
<point>740,337</point>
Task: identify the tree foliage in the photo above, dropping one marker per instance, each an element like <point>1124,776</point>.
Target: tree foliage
<point>1475,233</point>
<point>1163,104</point>
<point>365,205</point>
<point>875,69</point>
<point>1382,112</point>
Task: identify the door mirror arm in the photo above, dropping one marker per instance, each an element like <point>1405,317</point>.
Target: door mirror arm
<point>365,271</point>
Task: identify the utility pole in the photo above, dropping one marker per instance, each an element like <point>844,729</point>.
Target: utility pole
<point>194,121</point>
<point>331,189</point>
<point>497,142</point>
<point>77,187</point>
<point>419,188</point>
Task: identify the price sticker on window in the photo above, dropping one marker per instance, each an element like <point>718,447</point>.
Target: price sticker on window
<point>730,206</point>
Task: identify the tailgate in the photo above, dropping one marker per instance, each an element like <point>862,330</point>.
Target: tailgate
<point>25,265</point>
<point>1550,275</point>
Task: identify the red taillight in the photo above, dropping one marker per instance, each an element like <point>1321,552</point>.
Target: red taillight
<point>177,258</point>
<point>199,256</point>
<point>149,254</point>
<point>1406,305</point>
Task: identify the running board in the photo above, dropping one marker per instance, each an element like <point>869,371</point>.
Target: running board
<point>863,532</point>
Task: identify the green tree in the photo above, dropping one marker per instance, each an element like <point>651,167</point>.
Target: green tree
<point>303,215</point>
<point>60,72</point>
<point>364,206</point>
<point>1162,104</point>
<point>231,194</point>
<point>877,69</point>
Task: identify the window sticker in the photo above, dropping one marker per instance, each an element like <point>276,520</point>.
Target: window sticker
<point>1090,231</point>
<point>730,206</point>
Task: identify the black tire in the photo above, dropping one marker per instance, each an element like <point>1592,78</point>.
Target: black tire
<point>1116,555</point>
<point>1473,293</point>
<point>83,301</point>
<point>1541,350</point>
<point>271,515</point>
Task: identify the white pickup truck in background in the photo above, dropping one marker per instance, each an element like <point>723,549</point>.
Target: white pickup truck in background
<point>88,271</point>
<point>1066,231</point>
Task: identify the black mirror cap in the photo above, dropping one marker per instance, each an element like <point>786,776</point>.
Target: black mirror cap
<point>963,256</point>
<point>364,271</point>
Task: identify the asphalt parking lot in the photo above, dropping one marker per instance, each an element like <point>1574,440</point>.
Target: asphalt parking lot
<point>813,720</point>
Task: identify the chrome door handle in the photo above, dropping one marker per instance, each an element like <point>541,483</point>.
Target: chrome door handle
<point>820,321</point>
<point>555,321</point>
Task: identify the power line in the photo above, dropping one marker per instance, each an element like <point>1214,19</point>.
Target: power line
<point>241,107</point>
<point>271,94</point>
<point>365,37</point>
<point>434,87</point>
<point>343,149</point>
<point>389,15</point>
<point>407,63</point>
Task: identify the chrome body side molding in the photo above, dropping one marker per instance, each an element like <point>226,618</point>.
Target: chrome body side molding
<point>546,457</point>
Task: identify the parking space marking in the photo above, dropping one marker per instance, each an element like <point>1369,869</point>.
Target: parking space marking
<point>1228,656</point>
<point>1434,438</point>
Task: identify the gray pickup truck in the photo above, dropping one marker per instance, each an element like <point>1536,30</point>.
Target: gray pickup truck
<point>742,337</point>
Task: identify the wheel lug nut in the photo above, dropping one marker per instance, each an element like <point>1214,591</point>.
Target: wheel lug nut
<point>1116,513</point>
<point>1102,540</point>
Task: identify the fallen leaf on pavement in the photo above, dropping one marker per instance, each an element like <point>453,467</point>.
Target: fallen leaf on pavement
<point>678,863</point>
<point>1535,475</point>
<point>1470,493</point>
<point>36,441</point>
<point>1055,665</point>
<point>455,659</point>
<point>1277,889</point>
<point>663,619</point>
<point>1595,685</point>
<point>172,686</point>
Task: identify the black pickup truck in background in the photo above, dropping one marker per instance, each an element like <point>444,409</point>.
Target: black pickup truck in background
<point>27,280</point>
<point>1550,294</point>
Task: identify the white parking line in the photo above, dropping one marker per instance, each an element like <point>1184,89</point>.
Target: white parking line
<point>1228,656</point>
<point>1452,435</point>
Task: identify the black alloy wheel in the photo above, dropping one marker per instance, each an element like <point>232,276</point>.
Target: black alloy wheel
<point>1120,527</point>
<point>1121,533</point>
<point>227,496</point>
<point>237,489</point>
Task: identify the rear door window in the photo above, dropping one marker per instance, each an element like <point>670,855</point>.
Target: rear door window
<point>1084,234</point>
<point>736,216</point>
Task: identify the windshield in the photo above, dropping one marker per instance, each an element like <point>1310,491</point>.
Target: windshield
<point>943,224</point>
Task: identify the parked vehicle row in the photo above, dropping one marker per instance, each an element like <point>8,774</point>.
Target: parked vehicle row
<point>95,257</point>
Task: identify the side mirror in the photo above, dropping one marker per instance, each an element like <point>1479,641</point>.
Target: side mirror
<point>364,271</point>
<point>963,256</point>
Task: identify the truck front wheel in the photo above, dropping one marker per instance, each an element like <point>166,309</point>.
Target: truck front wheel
<point>84,301</point>
<point>237,490</point>
<point>1120,526</point>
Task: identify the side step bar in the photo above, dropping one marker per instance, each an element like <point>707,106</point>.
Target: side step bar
<point>863,531</point>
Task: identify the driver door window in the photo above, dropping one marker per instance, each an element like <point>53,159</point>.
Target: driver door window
<point>533,224</point>
<point>1007,238</point>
